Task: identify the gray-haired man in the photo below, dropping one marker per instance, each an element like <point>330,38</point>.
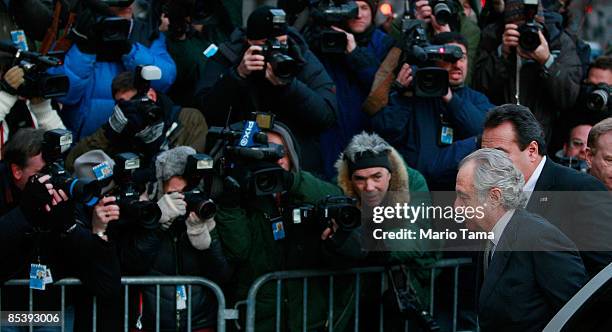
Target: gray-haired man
<point>531,268</point>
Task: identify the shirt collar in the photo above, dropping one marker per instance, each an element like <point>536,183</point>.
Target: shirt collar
<point>531,183</point>
<point>499,227</point>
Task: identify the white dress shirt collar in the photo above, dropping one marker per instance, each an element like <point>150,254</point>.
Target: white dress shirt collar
<point>499,227</point>
<point>533,180</point>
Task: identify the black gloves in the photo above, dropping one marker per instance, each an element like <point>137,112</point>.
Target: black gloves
<point>83,33</point>
<point>36,197</point>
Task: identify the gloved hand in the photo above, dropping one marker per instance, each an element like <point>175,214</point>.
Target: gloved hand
<point>171,205</point>
<point>198,231</point>
<point>83,32</point>
<point>126,117</point>
<point>12,80</point>
<point>39,199</point>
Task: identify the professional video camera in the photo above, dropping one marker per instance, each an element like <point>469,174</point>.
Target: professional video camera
<point>429,81</point>
<point>598,97</point>
<point>329,13</point>
<point>248,161</point>
<point>127,197</point>
<point>56,143</point>
<point>37,82</point>
<point>198,169</point>
<point>529,39</point>
<point>342,209</point>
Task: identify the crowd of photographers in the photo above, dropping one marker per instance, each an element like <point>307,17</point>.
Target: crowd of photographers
<point>163,138</point>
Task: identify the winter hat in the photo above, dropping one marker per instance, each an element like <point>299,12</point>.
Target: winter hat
<point>260,23</point>
<point>172,162</point>
<point>373,6</point>
<point>365,151</point>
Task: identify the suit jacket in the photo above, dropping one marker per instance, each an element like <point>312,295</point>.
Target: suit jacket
<point>534,271</point>
<point>581,207</point>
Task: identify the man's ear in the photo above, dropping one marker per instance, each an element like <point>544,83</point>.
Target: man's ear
<point>16,172</point>
<point>589,156</point>
<point>495,196</point>
<point>533,149</point>
<point>152,94</point>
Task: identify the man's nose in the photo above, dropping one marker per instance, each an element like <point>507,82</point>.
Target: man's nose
<point>370,185</point>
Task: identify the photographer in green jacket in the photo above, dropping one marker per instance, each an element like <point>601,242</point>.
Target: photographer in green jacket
<point>261,234</point>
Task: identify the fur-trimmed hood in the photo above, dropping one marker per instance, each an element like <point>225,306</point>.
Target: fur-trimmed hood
<point>399,175</point>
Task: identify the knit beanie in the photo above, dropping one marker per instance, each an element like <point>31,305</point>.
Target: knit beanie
<point>172,162</point>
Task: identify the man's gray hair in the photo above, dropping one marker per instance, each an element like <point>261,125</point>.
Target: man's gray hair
<point>365,142</point>
<point>494,169</point>
<point>601,128</point>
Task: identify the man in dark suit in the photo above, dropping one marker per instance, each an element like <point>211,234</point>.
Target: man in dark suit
<point>577,203</point>
<point>531,269</point>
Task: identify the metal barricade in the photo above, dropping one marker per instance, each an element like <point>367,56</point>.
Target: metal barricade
<point>305,275</point>
<point>222,313</point>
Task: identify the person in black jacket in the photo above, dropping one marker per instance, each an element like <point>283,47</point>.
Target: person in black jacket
<point>530,268</point>
<point>242,80</point>
<point>39,226</point>
<point>577,203</point>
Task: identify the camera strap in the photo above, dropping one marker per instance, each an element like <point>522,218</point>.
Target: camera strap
<point>519,65</point>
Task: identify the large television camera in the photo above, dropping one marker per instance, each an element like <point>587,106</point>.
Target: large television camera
<point>429,80</point>
<point>247,161</point>
<point>326,14</point>
<point>56,144</point>
<point>38,83</point>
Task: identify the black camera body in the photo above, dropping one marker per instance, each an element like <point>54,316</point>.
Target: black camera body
<point>276,54</point>
<point>38,83</point>
<point>248,162</point>
<point>342,209</point>
<point>330,13</point>
<point>599,97</point>
<point>56,143</point>
<point>429,81</point>
<point>127,197</point>
<point>199,170</point>
<point>529,38</point>
<point>443,10</point>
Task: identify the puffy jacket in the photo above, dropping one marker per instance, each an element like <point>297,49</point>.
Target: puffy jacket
<point>89,101</point>
<point>353,75</point>
<point>307,105</point>
<point>412,126</point>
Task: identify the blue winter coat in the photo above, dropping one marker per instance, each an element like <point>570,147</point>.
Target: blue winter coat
<point>412,125</point>
<point>353,75</point>
<point>89,101</point>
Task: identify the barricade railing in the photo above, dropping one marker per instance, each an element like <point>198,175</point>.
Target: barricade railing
<point>222,313</point>
<point>305,275</point>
